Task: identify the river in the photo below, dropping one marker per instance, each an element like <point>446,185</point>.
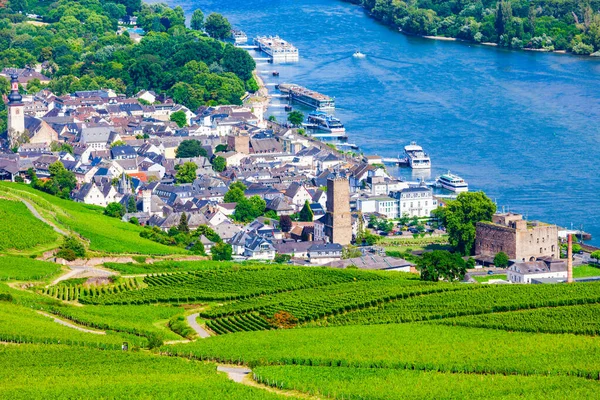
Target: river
<point>522,126</point>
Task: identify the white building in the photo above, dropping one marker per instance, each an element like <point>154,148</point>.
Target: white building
<point>525,272</point>
<point>415,201</point>
<point>383,205</point>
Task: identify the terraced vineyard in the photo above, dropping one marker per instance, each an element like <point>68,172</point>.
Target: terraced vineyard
<point>482,300</point>
<point>578,319</point>
<point>224,285</point>
<point>239,323</point>
<point>22,268</point>
<point>89,292</point>
<point>20,230</point>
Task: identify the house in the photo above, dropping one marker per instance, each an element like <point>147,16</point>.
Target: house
<point>96,137</point>
<point>295,249</point>
<point>281,206</point>
<point>415,201</point>
<point>146,95</point>
<point>259,248</point>
<point>383,205</point>
<point>97,194</point>
<point>373,262</point>
<point>297,195</point>
<point>123,153</point>
<point>207,243</point>
<point>527,271</point>
<point>324,253</point>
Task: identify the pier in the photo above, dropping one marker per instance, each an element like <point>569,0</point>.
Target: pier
<point>248,47</point>
<point>401,162</point>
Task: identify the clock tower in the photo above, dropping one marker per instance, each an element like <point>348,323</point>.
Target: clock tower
<point>16,116</point>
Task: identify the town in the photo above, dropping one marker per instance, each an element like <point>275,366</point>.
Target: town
<point>174,226</point>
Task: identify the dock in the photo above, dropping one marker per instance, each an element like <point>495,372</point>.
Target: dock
<point>401,162</point>
<point>247,47</point>
<point>310,98</point>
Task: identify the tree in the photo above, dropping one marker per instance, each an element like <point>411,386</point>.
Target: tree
<point>441,265</point>
<point>295,118</point>
<point>71,249</point>
<point>115,210</point>
<point>209,233</point>
<point>60,147</point>
<point>238,61</point>
<point>596,256</point>
<point>233,195</point>
<point>306,214</point>
<point>247,210</point>
<point>219,163</point>
<point>285,223</point>
<point>186,173</point>
<point>198,248</point>
<point>221,252</point>
<point>501,260</point>
<point>282,258</point>
<point>61,181</point>
<point>197,22</point>
<point>220,148</point>
<point>131,205</point>
<point>217,26</point>
<point>460,216</point>
<point>179,118</point>
<point>183,224</point>
<point>190,148</point>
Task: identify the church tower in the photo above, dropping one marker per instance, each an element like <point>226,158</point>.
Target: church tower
<point>16,116</point>
<point>338,221</point>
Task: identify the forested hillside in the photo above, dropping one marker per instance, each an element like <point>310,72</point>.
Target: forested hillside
<point>78,43</point>
<point>547,25</point>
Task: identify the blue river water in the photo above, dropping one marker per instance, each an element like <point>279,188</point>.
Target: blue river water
<point>524,127</point>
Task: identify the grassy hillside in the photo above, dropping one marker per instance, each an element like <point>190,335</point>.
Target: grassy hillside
<point>20,230</point>
<point>105,234</point>
<point>23,269</point>
<point>52,372</point>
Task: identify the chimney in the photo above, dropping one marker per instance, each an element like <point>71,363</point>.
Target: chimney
<point>569,259</point>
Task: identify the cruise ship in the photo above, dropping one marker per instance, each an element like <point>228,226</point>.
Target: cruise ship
<point>417,158</point>
<point>307,97</point>
<point>453,183</point>
<point>239,37</point>
<point>327,123</point>
<point>278,49</point>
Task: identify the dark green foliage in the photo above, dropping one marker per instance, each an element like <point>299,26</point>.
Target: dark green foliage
<point>238,61</point>
<point>247,210</point>
<point>61,181</point>
<point>190,148</point>
<point>306,214</point>
<point>183,224</point>
<point>441,264</point>
<point>295,118</point>
<point>115,210</point>
<point>71,249</point>
<point>501,260</point>
<point>460,216</point>
<point>282,258</point>
<point>197,21</point>
<point>285,223</point>
<point>186,173</point>
<point>220,148</point>
<point>179,118</point>
<point>221,252</point>
<point>217,26</point>
<point>219,163</point>
<point>131,205</point>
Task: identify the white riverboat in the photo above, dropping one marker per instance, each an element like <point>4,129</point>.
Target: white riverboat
<point>278,49</point>
<point>358,54</point>
<point>325,122</point>
<point>417,158</point>
<point>453,183</point>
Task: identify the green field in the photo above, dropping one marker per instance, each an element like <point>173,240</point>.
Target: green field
<point>105,234</point>
<point>174,266</point>
<point>586,271</point>
<point>20,230</point>
<point>384,384</point>
<point>22,269</point>
<point>53,372</point>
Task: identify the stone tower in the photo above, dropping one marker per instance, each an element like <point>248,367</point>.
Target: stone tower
<point>16,116</point>
<point>338,221</point>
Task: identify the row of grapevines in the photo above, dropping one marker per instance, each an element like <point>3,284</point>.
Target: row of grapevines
<point>486,299</point>
<point>239,323</point>
<point>73,293</point>
<point>579,319</point>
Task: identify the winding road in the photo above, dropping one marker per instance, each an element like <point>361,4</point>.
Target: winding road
<point>38,216</point>
<point>191,320</point>
<point>70,325</point>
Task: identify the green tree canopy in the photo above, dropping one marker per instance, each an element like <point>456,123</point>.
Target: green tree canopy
<point>115,210</point>
<point>247,210</point>
<point>190,148</point>
<point>238,61</point>
<point>306,214</point>
<point>441,265</point>
<point>460,216</point>
<point>217,26</point>
<point>221,251</point>
<point>285,223</point>
<point>186,173</point>
<point>183,224</point>
<point>501,260</point>
<point>295,118</point>
<point>179,118</point>
<point>219,164</point>
<point>197,22</point>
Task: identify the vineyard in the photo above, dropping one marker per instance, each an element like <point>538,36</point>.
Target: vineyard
<point>482,299</point>
<point>579,319</point>
<point>412,346</point>
<point>20,230</point>
<point>67,292</point>
<point>227,285</point>
<point>384,384</point>
<point>105,234</point>
<point>22,269</point>
<point>53,372</point>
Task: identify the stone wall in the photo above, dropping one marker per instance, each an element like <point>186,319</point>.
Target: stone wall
<point>538,241</point>
<point>492,239</point>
